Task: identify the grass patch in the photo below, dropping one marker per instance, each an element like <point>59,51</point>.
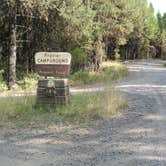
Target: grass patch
<point>84,108</point>
<point>109,71</point>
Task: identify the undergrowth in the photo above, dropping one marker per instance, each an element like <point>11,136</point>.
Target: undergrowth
<point>109,71</point>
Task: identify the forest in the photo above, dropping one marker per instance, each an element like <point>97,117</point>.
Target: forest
<point>91,30</point>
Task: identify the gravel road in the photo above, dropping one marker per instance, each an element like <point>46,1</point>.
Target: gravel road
<point>136,138</point>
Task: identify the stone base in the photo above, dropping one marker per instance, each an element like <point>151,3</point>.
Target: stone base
<point>53,92</point>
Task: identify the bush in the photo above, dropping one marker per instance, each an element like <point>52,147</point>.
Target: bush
<point>28,82</point>
<point>3,84</point>
<point>78,57</point>
<point>83,77</point>
<point>117,54</point>
<point>2,75</point>
<point>109,71</point>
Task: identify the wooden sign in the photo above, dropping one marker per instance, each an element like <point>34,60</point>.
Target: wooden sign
<point>55,64</point>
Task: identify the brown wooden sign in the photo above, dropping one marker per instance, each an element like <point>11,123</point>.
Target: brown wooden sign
<point>53,64</point>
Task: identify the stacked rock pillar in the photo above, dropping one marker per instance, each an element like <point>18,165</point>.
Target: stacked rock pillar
<point>53,92</point>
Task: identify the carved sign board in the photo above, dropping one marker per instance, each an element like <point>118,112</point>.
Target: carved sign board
<point>56,64</point>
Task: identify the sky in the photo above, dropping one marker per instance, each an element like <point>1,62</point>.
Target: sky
<point>159,5</point>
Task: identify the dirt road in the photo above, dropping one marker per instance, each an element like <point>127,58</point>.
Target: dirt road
<point>136,138</point>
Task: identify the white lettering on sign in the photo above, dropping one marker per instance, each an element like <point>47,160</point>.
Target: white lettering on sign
<point>53,58</point>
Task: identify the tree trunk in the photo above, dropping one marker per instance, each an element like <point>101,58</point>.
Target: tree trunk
<point>13,55</point>
<point>126,56</point>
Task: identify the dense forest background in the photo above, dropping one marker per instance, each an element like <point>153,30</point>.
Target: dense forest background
<point>92,30</point>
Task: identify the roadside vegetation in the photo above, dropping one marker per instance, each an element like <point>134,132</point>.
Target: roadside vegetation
<point>109,71</point>
<point>84,108</point>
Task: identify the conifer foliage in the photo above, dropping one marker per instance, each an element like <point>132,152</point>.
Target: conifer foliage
<point>123,29</point>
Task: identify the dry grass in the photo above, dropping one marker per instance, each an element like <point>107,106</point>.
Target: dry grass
<point>112,104</point>
<point>114,64</point>
<point>84,108</point>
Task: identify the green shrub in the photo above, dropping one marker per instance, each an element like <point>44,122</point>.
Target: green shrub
<point>83,77</point>
<point>108,72</point>
<point>117,54</point>
<point>29,82</point>
<point>3,84</point>
<point>2,75</point>
<point>78,57</point>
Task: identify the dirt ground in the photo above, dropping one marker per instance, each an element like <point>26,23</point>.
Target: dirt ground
<point>136,138</point>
